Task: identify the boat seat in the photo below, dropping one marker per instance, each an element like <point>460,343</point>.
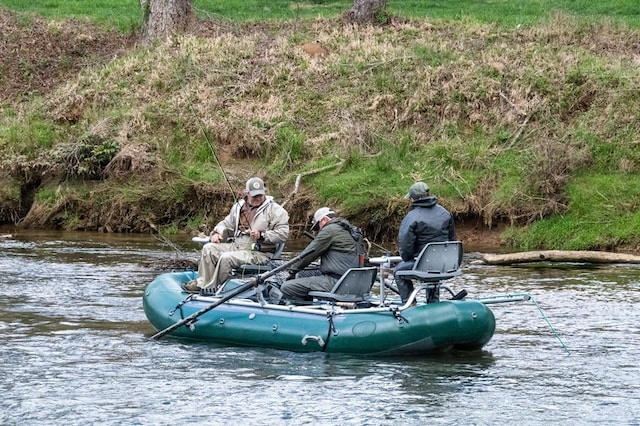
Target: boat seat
<point>436,262</point>
<point>250,269</point>
<point>353,286</point>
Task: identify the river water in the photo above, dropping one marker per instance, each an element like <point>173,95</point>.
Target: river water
<point>76,350</point>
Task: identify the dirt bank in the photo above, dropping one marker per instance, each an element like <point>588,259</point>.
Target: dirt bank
<point>38,56</point>
<point>492,118</point>
<point>42,56</point>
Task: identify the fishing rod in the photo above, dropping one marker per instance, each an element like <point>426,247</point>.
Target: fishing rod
<point>522,297</point>
<point>213,151</point>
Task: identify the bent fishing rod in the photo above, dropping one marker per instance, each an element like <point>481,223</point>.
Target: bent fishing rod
<point>201,126</point>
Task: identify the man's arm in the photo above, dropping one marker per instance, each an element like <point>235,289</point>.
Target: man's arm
<point>278,228</point>
<point>227,226</point>
<point>316,248</point>
<point>406,240</point>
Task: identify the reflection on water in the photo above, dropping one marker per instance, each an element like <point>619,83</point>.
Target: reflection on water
<point>76,350</point>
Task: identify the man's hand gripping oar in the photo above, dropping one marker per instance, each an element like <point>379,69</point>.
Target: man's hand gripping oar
<point>251,283</point>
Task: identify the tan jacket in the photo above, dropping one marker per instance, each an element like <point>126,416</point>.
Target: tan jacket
<point>271,219</point>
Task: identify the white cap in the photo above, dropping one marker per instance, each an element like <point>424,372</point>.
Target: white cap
<point>319,214</point>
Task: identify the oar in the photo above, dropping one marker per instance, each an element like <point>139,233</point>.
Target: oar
<point>253,282</point>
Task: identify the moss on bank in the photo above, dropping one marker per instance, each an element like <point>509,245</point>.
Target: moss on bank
<point>533,127</point>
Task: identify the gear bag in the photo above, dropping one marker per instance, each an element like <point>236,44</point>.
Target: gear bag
<point>362,248</point>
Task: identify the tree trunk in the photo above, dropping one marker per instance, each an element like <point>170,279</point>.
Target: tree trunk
<point>368,12</point>
<point>559,256</point>
<point>163,18</point>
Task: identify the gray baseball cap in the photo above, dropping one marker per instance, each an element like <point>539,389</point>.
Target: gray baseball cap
<point>417,191</point>
<point>255,186</point>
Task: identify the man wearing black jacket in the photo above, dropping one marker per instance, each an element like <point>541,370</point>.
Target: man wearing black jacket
<point>426,222</point>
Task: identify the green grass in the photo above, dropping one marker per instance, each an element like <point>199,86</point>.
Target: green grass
<point>123,14</point>
<point>604,212</point>
<point>126,14</point>
<point>358,185</point>
<point>27,137</point>
<point>47,195</point>
<point>525,12</point>
<point>289,148</point>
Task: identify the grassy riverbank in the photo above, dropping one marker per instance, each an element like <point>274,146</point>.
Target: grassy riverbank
<point>534,125</point>
<point>125,14</point>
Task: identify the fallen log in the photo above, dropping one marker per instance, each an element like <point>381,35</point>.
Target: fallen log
<point>558,256</point>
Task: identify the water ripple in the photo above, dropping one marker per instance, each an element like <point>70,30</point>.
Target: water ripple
<point>76,350</point>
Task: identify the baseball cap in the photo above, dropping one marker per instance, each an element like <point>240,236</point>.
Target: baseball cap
<point>417,191</point>
<point>319,214</point>
<point>255,186</point>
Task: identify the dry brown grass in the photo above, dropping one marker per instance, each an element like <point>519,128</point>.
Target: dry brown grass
<point>484,107</point>
<point>37,55</point>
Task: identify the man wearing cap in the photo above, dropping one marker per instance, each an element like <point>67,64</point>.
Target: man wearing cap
<point>249,234</point>
<point>337,250</point>
<point>426,222</point>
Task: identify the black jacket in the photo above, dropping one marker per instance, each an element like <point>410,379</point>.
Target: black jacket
<point>427,222</point>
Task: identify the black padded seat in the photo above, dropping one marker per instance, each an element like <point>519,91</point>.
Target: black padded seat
<point>251,269</point>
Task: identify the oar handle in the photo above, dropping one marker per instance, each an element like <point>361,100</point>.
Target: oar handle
<point>260,278</point>
<point>202,311</point>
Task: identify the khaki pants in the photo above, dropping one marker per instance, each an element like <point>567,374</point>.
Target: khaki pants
<point>218,260</point>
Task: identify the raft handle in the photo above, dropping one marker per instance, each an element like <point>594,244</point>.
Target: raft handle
<point>317,339</point>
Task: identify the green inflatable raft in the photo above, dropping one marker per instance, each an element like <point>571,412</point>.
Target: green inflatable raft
<point>372,328</point>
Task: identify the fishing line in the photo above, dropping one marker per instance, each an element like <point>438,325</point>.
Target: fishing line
<point>522,297</point>
<point>550,326</point>
<point>384,249</point>
<point>213,151</point>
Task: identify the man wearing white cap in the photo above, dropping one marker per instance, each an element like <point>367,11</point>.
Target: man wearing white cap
<point>426,222</point>
<point>249,234</point>
<point>337,249</point>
